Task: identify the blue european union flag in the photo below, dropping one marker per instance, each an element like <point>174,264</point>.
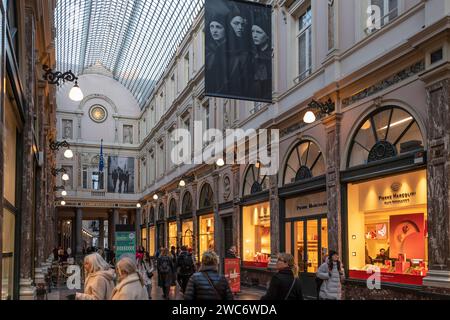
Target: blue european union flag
<point>101,163</point>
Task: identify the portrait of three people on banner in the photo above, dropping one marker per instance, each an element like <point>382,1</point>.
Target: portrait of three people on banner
<point>238,50</point>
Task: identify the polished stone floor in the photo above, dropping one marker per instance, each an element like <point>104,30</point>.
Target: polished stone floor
<point>247,293</point>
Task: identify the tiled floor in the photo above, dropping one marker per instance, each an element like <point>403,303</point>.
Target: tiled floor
<point>246,293</point>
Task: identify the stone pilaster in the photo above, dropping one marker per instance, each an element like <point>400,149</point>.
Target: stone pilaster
<point>28,176</point>
<point>115,221</point>
<point>332,128</point>
<point>274,220</point>
<point>438,173</point>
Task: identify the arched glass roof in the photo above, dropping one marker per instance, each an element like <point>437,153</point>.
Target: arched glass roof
<point>133,39</point>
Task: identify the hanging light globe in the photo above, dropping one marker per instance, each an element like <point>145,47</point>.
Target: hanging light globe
<point>75,93</point>
<point>65,177</point>
<point>220,162</point>
<point>64,193</point>
<point>68,154</point>
<point>309,117</point>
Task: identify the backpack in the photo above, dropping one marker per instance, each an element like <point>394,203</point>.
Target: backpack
<point>164,266</point>
<point>186,265</point>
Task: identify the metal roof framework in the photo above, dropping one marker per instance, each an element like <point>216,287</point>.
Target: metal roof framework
<point>132,39</point>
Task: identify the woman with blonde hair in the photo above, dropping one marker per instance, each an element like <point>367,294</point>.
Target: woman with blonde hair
<point>131,285</point>
<point>285,285</point>
<point>99,279</point>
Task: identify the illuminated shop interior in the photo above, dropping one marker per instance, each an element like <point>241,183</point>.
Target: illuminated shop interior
<point>187,238</point>
<point>172,234</point>
<point>256,235</point>
<point>206,234</point>
<point>144,238</point>
<point>151,243</point>
<point>389,214</point>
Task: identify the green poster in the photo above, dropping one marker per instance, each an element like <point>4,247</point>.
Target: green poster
<point>125,244</point>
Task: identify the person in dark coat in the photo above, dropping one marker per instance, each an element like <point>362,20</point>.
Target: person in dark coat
<point>208,284</point>
<point>185,268</point>
<point>285,285</point>
<point>165,272</point>
<point>174,256</point>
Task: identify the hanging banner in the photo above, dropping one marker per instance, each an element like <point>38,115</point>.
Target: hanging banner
<point>238,50</point>
<point>125,241</point>
<point>233,274</point>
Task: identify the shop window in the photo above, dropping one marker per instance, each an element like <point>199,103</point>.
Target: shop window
<point>187,203</point>
<point>206,233</point>
<point>172,208</point>
<point>173,234</point>
<point>187,230</point>
<point>256,235</point>
<point>387,231</point>
<point>144,238</point>
<point>7,271</point>
<point>304,162</point>
<point>385,134</point>
<point>206,197</point>
<point>254,182</point>
<point>151,242</point>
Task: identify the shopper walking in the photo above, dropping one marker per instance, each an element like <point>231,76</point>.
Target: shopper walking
<point>332,274</point>
<point>165,271</point>
<point>207,284</point>
<point>131,285</point>
<point>145,268</point>
<point>185,268</point>
<point>285,285</point>
<point>174,256</point>
<point>99,276</point>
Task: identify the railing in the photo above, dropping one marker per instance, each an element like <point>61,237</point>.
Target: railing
<point>98,193</point>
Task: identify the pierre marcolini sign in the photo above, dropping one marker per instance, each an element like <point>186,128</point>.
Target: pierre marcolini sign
<point>310,206</point>
<point>397,198</point>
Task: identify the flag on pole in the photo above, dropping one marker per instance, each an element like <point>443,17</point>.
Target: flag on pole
<point>101,163</point>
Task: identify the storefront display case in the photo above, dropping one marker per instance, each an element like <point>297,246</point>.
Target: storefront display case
<point>256,235</point>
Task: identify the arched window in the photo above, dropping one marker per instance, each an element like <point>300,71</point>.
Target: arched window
<point>386,133</point>
<point>161,212</point>
<point>254,182</point>
<point>173,208</point>
<point>206,197</point>
<point>187,203</point>
<point>304,162</point>
<point>151,215</point>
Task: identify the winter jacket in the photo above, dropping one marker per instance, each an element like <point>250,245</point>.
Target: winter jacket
<point>199,288</point>
<point>130,288</point>
<point>98,286</point>
<point>280,285</point>
<point>185,264</point>
<point>165,279</point>
<point>331,288</point>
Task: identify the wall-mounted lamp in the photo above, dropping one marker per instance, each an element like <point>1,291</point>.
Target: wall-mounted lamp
<point>220,162</point>
<point>63,144</point>
<point>64,193</point>
<point>354,237</point>
<point>354,254</point>
<point>324,108</point>
<point>56,77</point>
<point>157,195</point>
<point>138,205</point>
<point>185,180</point>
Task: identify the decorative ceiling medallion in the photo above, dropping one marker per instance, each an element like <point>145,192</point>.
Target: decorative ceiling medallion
<point>98,113</point>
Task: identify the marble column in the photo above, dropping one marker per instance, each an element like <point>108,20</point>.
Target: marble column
<point>236,208</point>
<point>101,233</point>
<point>115,221</point>
<point>79,232</point>
<point>137,225</point>
<point>218,228</point>
<point>332,129</point>
<point>438,172</point>
<point>195,221</point>
<point>274,220</point>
